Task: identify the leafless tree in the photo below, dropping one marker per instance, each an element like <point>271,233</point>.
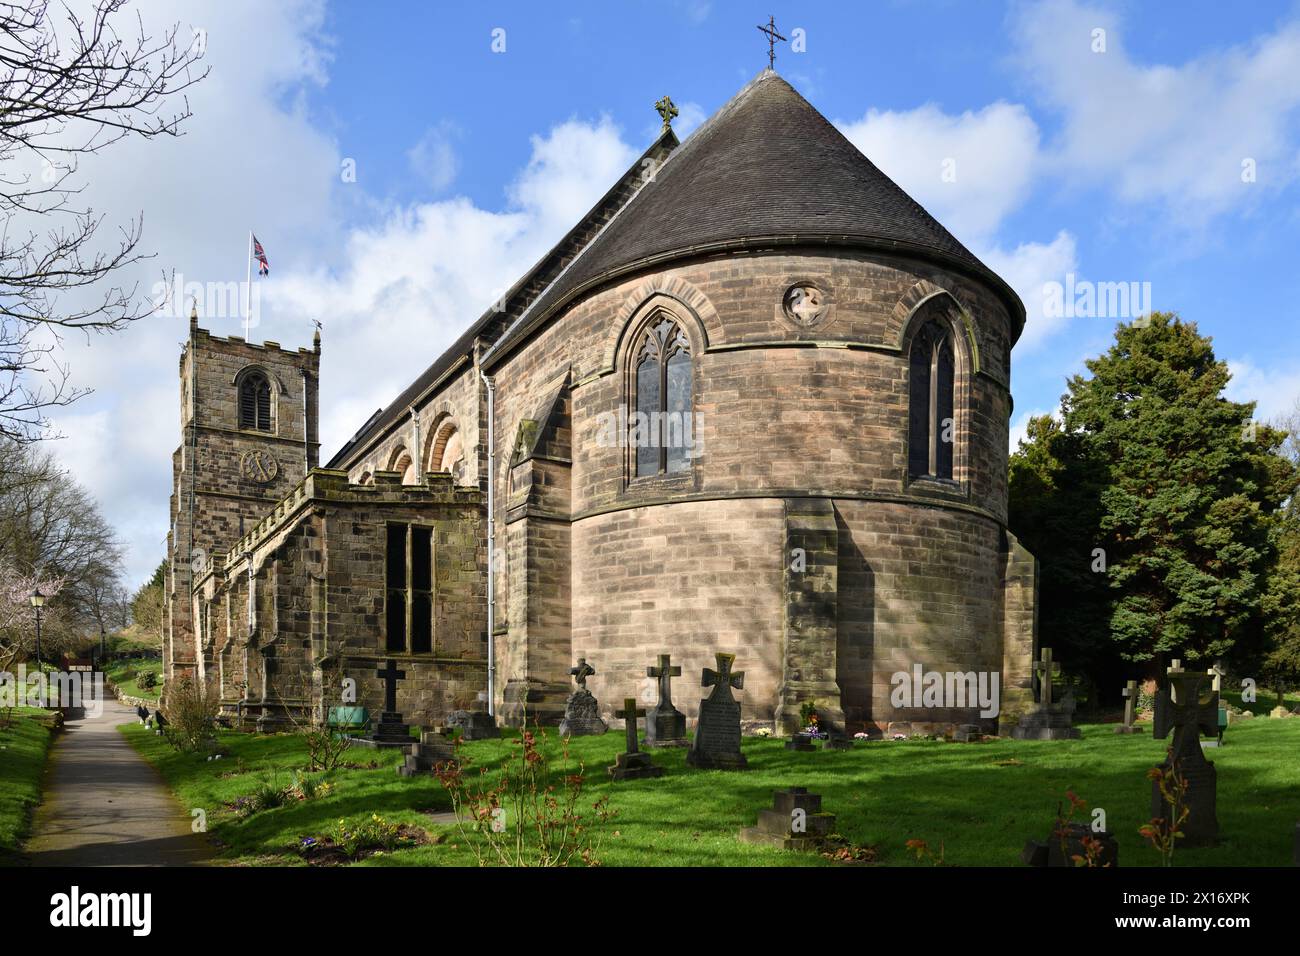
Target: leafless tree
<point>71,85</point>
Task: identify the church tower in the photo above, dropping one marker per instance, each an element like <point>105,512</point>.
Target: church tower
<point>249,434</point>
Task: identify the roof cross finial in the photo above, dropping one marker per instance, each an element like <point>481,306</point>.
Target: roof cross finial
<point>666,110</point>
<point>772,37</point>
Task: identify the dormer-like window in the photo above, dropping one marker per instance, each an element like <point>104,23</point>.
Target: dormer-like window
<point>255,402</point>
<point>931,389</point>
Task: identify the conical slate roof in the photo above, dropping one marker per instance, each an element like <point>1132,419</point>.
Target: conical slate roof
<point>767,166</point>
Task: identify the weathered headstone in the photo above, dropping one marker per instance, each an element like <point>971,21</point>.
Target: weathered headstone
<point>434,748</point>
<point>635,763</point>
<point>581,711</point>
<point>1047,720</point>
<point>801,742</point>
<point>1181,708</point>
<point>390,728</point>
<point>795,822</point>
<point>1130,702</point>
<point>665,725</point>
<point>473,724</point>
<point>968,734</point>
<point>1065,844</point>
<point>717,733</point>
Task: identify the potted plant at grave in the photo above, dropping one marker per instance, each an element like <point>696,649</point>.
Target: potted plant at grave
<point>811,721</point>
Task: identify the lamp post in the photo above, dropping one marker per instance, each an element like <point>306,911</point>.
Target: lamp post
<point>38,602</point>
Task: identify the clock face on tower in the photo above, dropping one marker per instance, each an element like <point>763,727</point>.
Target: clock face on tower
<point>258,466</point>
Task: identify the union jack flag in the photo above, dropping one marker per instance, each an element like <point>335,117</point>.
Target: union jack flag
<point>263,267</point>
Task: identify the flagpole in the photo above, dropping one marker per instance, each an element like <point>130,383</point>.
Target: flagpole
<point>248,284</point>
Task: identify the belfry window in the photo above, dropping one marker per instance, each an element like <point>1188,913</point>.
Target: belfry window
<point>408,605</point>
<point>931,385</point>
<point>663,432</point>
<point>255,402</point>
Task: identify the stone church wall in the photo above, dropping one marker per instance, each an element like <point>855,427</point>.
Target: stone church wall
<point>319,563</point>
<point>692,564</point>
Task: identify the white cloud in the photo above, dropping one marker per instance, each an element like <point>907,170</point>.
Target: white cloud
<point>969,170</point>
<point>1275,389</point>
<point>433,158</point>
<point>1027,269</point>
<point>1174,134</point>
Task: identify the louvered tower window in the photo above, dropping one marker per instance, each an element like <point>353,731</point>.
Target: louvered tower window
<point>255,402</point>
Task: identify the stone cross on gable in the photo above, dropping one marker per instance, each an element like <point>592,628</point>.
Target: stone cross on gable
<point>664,673</point>
<point>581,671</point>
<point>666,110</point>
<point>628,715</point>
<point>1046,670</point>
<point>390,675</point>
<point>1181,708</point>
<point>722,680</point>
<point>1130,698</point>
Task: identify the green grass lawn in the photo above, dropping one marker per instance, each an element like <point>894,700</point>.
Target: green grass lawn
<point>23,748</point>
<point>122,674</point>
<point>980,801</point>
<point>1265,700</point>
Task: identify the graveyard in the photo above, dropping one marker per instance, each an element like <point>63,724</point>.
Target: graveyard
<point>975,804</point>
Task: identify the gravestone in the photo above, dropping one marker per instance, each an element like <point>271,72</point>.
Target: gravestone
<point>1050,852</point>
<point>801,742</point>
<point>1181,708</point>
<point>795,822</point>
<point>717,733</point>
<point>473,724</point>
<point>390,729</point>
<point>477,724</point>
<point>968,734</point>
<point>581,711</point>
<point>434,748</point>
<point>665,725</point>
<point>1216,675</point>
<point>1130,702</point>
<point>1047,720</point>
<point>635,763</point>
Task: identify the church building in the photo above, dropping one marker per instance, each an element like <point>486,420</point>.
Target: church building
<point>756,401</point>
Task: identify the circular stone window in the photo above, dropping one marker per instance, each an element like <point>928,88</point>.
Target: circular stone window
<point>805,304</point>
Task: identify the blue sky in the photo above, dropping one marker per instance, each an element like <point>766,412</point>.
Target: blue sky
<point>1122,164</point>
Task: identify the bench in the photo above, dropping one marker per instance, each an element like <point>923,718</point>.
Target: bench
<point>349,719</point>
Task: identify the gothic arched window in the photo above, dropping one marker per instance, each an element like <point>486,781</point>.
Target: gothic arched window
<point>255,402</point>
<point>663,433</point>
<point>931,387</point>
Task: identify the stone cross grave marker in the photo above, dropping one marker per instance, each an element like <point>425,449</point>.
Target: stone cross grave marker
<point>391,729</point>
<point>1046,670</point>
<point>1130,700</point>
<point>665,725</point>
<point>717,732</point>
<point>633,764</point>
<point>581,710</point>
<point>581,671</point>
<point>390,675</point>
<point>1181,708</point>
